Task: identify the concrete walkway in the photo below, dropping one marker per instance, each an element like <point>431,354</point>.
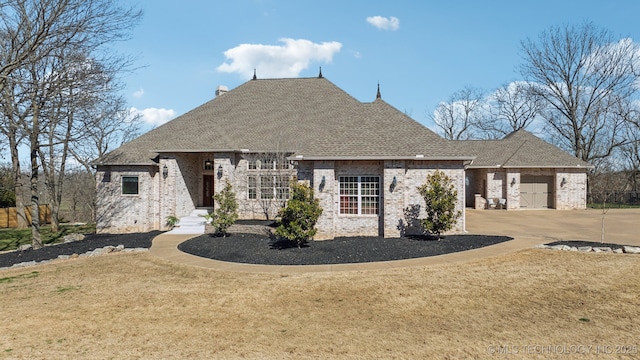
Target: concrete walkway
<point>529,228</point>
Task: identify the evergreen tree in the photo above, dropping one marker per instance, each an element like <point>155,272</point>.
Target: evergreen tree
<point>440,196</point>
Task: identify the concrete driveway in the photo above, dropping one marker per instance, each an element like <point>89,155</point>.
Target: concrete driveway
<point>622,226</point>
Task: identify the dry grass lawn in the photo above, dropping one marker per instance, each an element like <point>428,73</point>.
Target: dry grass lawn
<point>137,306</point>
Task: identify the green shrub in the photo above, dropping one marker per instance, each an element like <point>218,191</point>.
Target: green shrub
<point>226,212</point>
<point>440,198</point>
<point>299,216</point>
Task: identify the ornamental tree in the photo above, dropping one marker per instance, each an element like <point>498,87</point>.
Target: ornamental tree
<point>226,213</point>
<point>299,216</point>
<point>440,196</point>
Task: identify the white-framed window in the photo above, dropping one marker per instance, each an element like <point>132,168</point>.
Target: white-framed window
<point>359,195</point>
<point>282,187</point>
<point>267,187</point>
<point>252,187</point>
<point>130,185</point>
<point>252,164</point>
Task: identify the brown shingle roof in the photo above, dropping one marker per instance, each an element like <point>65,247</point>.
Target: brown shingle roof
<point>310,117</point>
<point>520,149</point>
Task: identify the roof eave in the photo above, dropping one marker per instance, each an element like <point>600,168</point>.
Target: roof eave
<point>334,158</point>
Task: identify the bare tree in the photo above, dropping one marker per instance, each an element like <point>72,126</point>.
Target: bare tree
<point>460,116</point>
<point>511,107</point>
<point>35,35</point>
<point>583,75</point>
<point>268,180</point>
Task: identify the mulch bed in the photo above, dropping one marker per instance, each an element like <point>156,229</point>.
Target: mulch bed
<point>260,249</point>
<point>90,243</point>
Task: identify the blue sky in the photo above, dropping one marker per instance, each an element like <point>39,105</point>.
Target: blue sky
<point>419,51</point>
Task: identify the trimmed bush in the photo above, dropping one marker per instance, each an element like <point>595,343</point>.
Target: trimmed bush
<point>226,213</point>
<point>299,216</point>
<point>440,197</point>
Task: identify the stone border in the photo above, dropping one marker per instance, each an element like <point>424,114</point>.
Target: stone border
<point>596,249</point>
<point>96,252</point>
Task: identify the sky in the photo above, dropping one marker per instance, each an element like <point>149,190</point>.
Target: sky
<point>419,52</point>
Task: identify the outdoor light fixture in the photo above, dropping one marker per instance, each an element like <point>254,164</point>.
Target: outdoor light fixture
<point>322,183</point>
<point>219,171</point>
<point>208,164</point>
<point>563,182</point>
<point>394,182</point>
<point>513,181</point>
<point>165,171</point>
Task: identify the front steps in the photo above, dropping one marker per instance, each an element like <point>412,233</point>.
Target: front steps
<point>192,224</point>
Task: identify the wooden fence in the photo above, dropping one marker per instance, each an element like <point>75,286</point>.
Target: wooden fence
<point>9,216</point>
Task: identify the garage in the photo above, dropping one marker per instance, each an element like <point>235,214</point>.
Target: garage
<point>536,192</point>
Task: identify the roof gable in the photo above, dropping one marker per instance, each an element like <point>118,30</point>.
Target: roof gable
<point>520,149</point>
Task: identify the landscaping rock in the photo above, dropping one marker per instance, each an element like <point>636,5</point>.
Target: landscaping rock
<point>602,249</point>
<point>618,251</point>
<point>24,247</point>
<point>585,248</point>
<point>73,237</point>
<point>631,249</point>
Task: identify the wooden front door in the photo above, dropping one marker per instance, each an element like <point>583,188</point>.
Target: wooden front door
<point>207,190</point>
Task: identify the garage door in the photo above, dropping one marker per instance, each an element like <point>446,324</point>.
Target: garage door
<point>536,192</point>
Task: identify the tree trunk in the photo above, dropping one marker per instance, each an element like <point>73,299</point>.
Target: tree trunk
<point>17,182</point>
<point>36,240</point>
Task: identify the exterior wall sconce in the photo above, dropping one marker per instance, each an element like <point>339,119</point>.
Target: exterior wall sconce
<point>219,171</point>
<point>165,171</point>
<point>563,182</point>
<point>322,183</point>
<point>208,164</point>
<point>513,181</point>
<point>394,182</point>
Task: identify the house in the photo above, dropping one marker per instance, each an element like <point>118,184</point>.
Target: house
<point>364,161</point>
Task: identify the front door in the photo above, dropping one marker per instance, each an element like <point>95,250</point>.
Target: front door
<point>207,190</point>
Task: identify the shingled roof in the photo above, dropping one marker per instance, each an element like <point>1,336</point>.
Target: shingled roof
<point>309,117</point>
<point>520,149</point>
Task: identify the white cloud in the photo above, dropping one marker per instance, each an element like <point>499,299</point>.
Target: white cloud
<point>272,61</point>
<point>383,23</point>
<point>154,116</point>
<point>139,93</point>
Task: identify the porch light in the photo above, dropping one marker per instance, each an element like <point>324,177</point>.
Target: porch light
<point>322,183</point>
<point>208,164</point>
<point>165,171</point>
<point>394,182</point>
<point>513,181</point>
<point>563,182</point>
<point>219,171</point>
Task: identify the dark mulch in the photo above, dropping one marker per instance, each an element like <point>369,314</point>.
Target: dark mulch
<point>257,249</point>
<point>579,243</point>
<point>90,243</point>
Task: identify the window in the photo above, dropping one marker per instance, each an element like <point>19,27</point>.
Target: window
<point>359,195</point>
<point>271,187</point>
<point>252,187</point>
<point>252,164</point>
<point>266,187</point>
<point>130,185</point>
<point>267,164</point>
<point>282,187</point>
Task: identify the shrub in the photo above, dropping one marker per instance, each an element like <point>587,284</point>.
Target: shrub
<point>440,198</point>
<point>299,216</point>
<point>226,213</point>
